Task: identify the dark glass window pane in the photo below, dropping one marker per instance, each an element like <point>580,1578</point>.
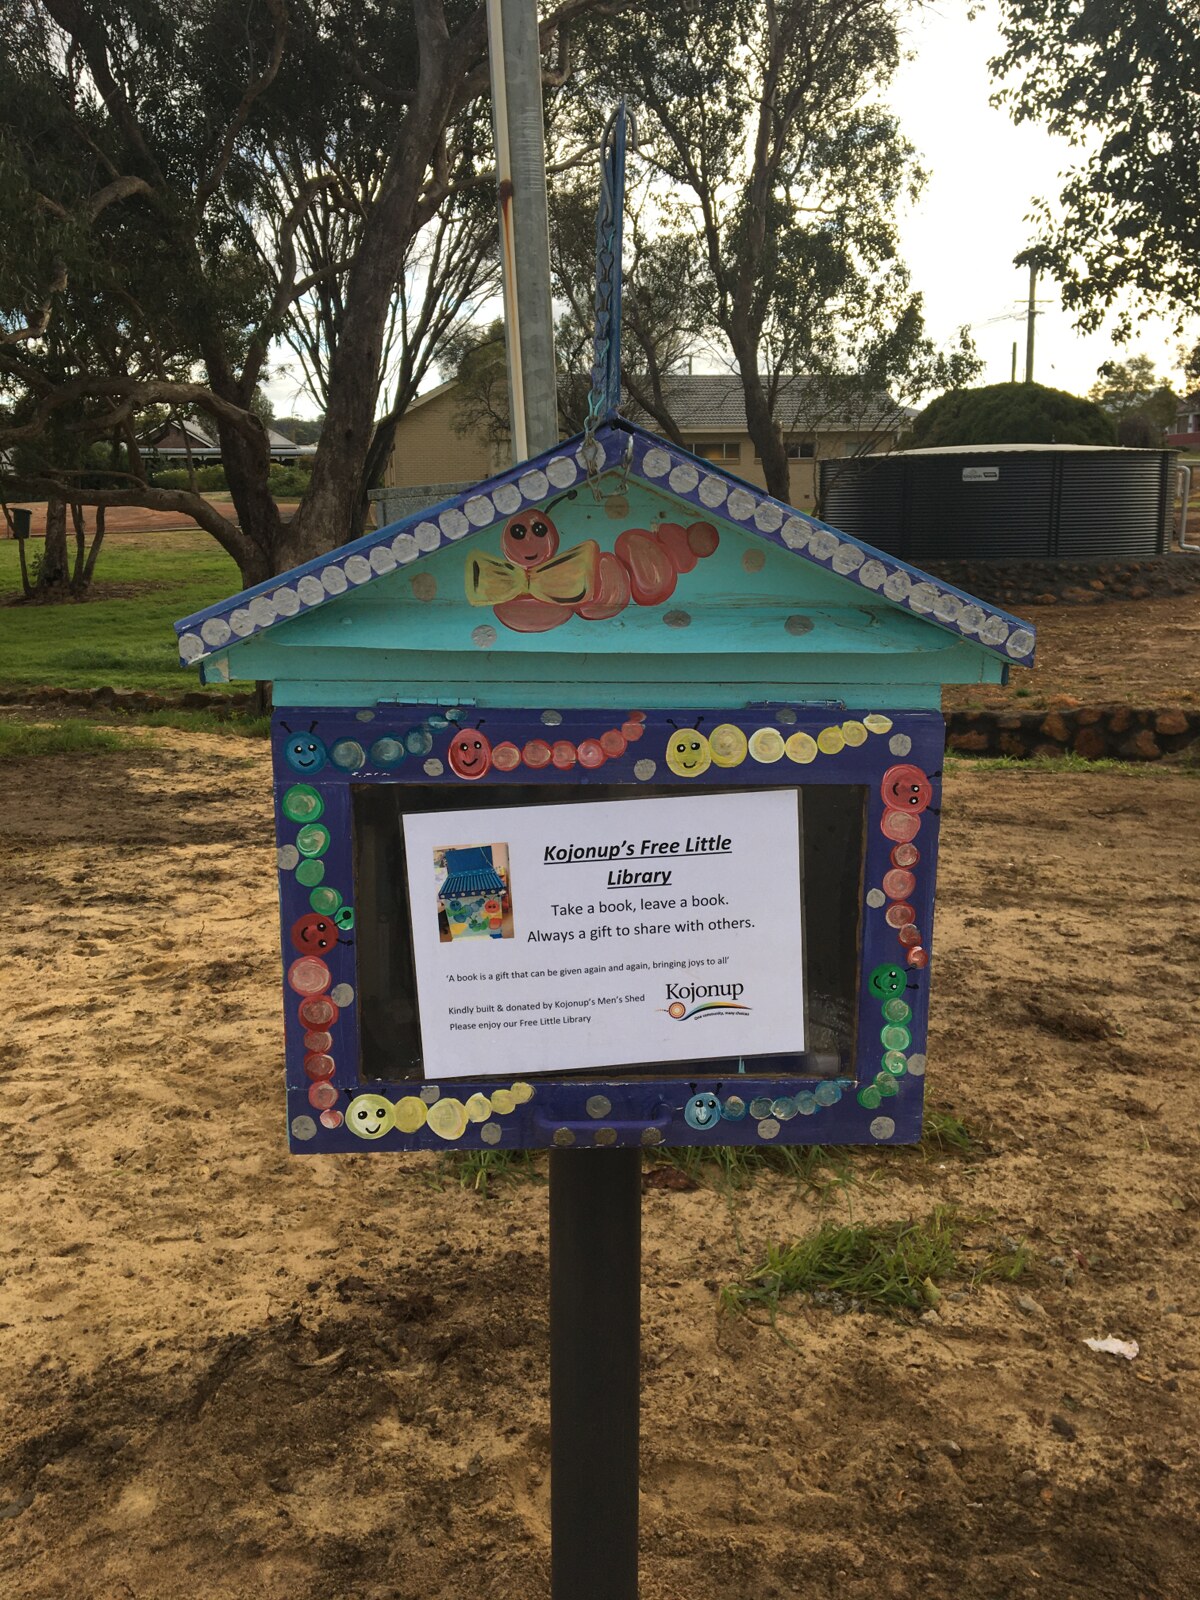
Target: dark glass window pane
<point>832,839</point>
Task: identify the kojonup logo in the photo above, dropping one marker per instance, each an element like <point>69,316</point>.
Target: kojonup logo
<point>711,997</point>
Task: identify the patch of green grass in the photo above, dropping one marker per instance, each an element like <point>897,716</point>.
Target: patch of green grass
<point>1007,1264</point>
<point>730,1167</point>
<point>73,737</point>
<point>128,643</point>
<point>481,1169</point>
<point>894,1266</point>
<point>890,1266</point>
<point>242,726</point>
<point>942,1133</point>
<point>1067,762</point>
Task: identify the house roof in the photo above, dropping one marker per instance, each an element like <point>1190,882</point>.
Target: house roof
<point>659,465</point>
<point>201,441</point>
<point>430,394</point>
<point>716,400</point>
<point>191,429</point>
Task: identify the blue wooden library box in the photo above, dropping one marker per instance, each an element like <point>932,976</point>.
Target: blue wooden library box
<point>614,623</point>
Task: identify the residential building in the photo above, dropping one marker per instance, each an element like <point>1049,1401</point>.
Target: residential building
<point>1187,425</point>
<point>708,409</point>
<point>186,440</point>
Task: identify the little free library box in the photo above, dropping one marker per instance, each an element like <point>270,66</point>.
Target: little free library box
<point>607,800</point>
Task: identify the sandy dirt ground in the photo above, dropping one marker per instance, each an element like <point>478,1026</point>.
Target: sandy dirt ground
<point>231,1373</point>
<point>1140,652</point>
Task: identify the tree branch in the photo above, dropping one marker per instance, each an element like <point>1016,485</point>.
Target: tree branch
<point>286,290</point>
<point>141,391</point>
<point>209,186</point>
<point>92,41</point>
<point>227,533</point>
<point>119,189</point>
<point>40,319</point>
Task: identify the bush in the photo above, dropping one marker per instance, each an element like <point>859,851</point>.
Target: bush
<point>289,481</point>
<point>1137,431</point>
<point>1010,413</point>
<point>207,478</point>
<point>284,481</point>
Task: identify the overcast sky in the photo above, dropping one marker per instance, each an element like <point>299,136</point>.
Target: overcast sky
<point>971,222</point>
<point>961,239</point>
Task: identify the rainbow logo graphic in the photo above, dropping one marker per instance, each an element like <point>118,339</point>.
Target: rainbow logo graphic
<point>680,1013</point>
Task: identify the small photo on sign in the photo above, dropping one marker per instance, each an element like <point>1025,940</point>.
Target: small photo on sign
<point>474,892</point>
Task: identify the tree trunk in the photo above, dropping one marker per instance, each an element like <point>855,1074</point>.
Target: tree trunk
<point>330,511</point>
<point>54,574</point>
<point>80,524</point>
<point>89,568</point>
<point>247,464</point>
<point>763,429</point>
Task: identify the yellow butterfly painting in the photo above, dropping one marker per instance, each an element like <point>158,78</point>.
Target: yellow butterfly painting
<point>567,579</point>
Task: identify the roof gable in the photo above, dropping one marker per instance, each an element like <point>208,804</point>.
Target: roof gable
<point>625,448</point>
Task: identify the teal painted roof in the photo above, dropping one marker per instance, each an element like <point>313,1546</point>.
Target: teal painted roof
<point>656,464</point>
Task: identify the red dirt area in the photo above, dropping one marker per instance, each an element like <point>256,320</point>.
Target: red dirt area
<point>1136,652</point>
<point>234,1374</point>
<point>124,519</point>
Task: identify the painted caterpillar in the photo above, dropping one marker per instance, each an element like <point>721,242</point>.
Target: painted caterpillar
<point>471,754</point>
<point>536,588</point>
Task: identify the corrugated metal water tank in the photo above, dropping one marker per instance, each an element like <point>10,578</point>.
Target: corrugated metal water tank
<point>1007,502</point>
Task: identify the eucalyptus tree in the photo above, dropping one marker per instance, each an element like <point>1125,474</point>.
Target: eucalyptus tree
<point>766,122</point>
<point>1119,79</point>
<point>181,182</point>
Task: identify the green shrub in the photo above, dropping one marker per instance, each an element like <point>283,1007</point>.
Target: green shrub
<point>291,480</point>
<point>206,478</point>
<point>286,482</point>
<point>1009,413</point>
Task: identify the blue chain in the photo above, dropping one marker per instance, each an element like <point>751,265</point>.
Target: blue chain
<point>604,399</point>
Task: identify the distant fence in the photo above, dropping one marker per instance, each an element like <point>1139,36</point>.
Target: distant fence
<point>393,505</point>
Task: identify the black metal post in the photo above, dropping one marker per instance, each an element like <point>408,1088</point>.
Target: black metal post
<point>595,1327</point>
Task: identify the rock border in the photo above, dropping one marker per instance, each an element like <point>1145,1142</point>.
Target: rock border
<point>1096,733</point>
<point>1048,582</point>
<point>107,699</point>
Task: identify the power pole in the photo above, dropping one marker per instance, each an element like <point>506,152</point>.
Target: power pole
<point>1013,374</point>
<point>1030,317</point>
<point>514,49</point>
<point>595,1195</point>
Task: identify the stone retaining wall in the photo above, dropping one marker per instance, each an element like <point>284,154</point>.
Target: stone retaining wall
<point>1045,583</point>
<point>1116,732</point>
<point>106,699</point>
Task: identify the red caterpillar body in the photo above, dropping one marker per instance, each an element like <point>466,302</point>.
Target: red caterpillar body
<point>652,560</point>
<point>538,753</point>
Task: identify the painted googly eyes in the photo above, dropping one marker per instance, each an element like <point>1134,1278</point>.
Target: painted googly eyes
<point>688,753</point>
<point>305,753</point>
<point>470,754</point>
<point>529,541</point>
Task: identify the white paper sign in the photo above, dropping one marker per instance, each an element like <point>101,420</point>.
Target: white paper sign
<point>617,933</point>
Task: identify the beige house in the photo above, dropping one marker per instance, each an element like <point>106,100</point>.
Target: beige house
<point>428,449</point>
<point>708,409</point>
